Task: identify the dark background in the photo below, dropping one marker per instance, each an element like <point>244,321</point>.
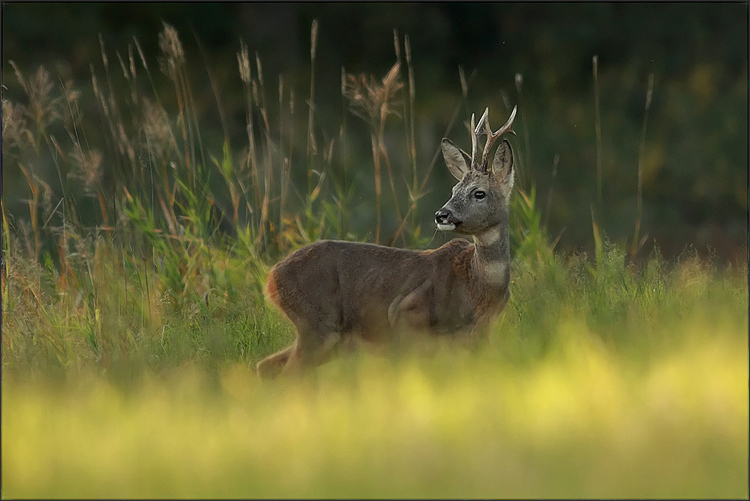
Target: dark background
<point>695,178</point>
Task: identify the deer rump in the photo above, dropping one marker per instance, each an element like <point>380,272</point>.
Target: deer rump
<point>370,290</point>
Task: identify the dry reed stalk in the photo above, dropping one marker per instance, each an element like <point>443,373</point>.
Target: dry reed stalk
<point>555,162</point>
<point>636,245</point>
<point>6,257</point>
<point>311,145</point>
<point>345,156</point>
<point>391,85</point>
<point>193,121</point>
<point>33,207</point>
<point>114,117</point>
<point>89,163</point>
<point>598,126</point>
<point>282,159</point>
<point>287,169</point>
<point>409,119</point>
<point>162,140</point>
<point>160,106</point>
<point>524,172</point>
<point>260,97</point>
<point>214,88</point>
<point>251,158</point>
<point>371,101</point>
<point>376,161</point>
<point>44,109</point>
<point>412,115</point>
<point>171,63</point>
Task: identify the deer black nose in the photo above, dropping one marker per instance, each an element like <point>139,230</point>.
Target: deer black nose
<point>443,216</point>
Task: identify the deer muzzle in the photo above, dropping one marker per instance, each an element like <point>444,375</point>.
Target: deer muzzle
<point>445,220</point>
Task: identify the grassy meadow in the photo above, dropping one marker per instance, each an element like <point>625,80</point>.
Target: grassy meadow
<point>133,318</point>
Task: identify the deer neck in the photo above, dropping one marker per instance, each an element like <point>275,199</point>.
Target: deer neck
<point>491,261</point>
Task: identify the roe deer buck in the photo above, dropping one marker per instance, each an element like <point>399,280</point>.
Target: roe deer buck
<point>335,291</point>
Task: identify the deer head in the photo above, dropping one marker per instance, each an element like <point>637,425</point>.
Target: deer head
<point>480,199</point>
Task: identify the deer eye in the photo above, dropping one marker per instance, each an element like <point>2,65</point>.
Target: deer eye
<point>479,194</point>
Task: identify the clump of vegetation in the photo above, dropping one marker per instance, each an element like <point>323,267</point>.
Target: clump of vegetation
<point>132,313</point>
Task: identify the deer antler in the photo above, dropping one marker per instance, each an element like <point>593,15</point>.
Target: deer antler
<point>492,137</point>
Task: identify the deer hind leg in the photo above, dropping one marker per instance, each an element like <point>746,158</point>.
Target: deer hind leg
<point>315,339</point>
<point>312,349</point>
<point>272,365</point>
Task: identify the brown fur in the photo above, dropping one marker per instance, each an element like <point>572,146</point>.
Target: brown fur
<point>335,291</point>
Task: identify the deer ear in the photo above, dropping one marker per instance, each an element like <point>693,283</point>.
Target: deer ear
<point>502,166</point>
<point>455,158</point>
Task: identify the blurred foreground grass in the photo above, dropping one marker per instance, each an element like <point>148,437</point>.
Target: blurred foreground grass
<point>660,410</point>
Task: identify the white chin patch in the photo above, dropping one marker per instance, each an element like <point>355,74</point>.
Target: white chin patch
<point>446,227</point>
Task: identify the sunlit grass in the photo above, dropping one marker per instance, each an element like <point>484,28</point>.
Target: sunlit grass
<point>579,422</point>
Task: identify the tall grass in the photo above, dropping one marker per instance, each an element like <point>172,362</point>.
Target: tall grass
<point>132,311</point>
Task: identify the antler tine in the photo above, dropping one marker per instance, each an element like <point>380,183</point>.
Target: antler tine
<point>478,131</point>
<point>482,121</point>
<point>508,127</point>
<point>492,137</point>
<point>473,144</point>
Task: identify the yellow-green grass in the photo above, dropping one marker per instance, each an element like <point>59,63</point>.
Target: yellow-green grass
<point>581,421</point>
